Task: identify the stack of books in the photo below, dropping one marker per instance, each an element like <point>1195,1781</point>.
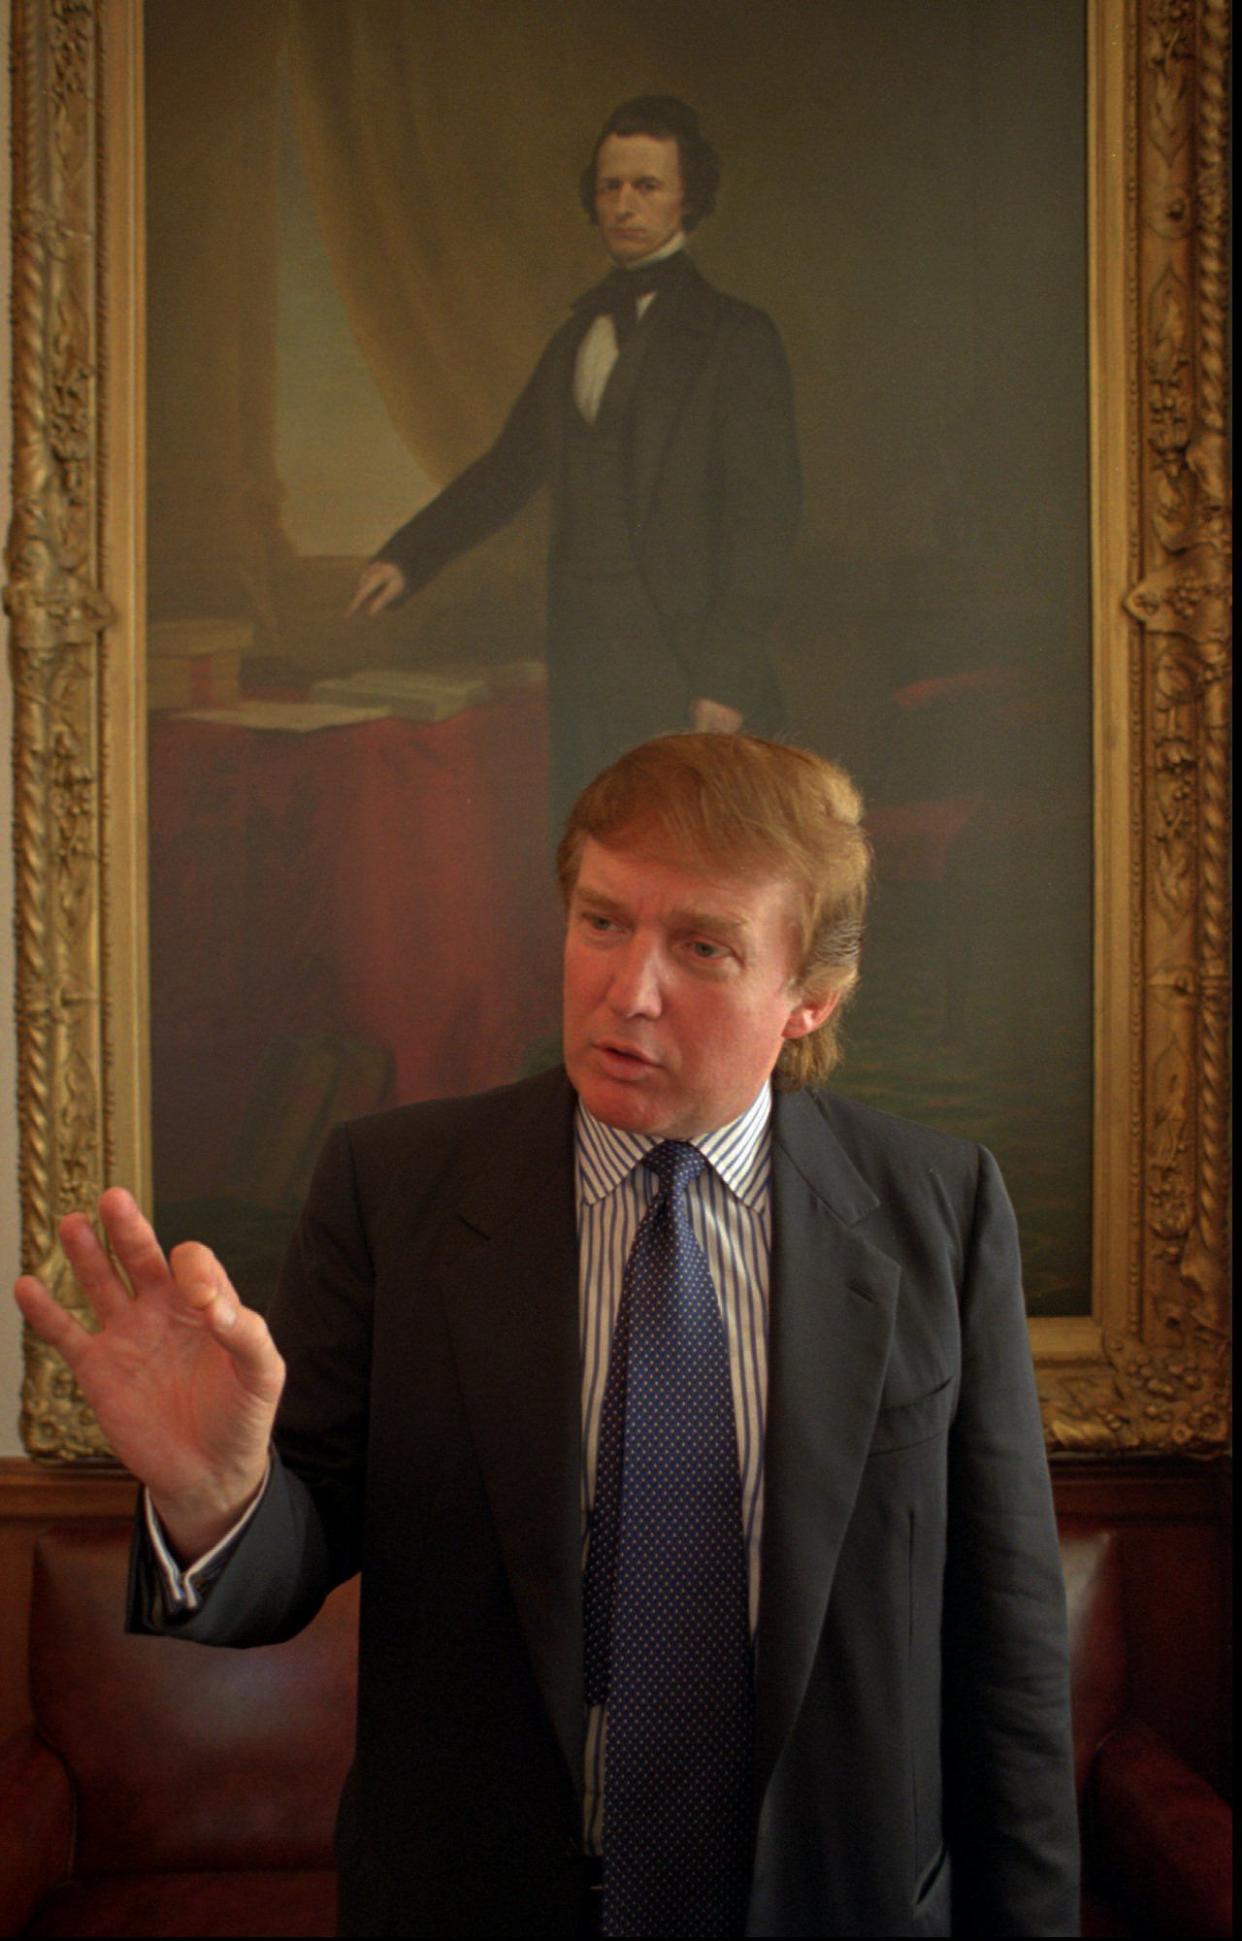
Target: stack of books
<point>418,694</point>
<point>196,663</point>
<point>429,693</point>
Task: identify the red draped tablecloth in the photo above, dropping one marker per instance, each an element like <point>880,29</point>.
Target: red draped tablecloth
<point>386,880</point>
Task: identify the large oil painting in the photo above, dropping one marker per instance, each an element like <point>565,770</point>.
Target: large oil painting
<point>284,864</point>
<point>363,226</point>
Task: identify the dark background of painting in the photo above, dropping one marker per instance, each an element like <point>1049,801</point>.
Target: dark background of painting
<point>904,192</point>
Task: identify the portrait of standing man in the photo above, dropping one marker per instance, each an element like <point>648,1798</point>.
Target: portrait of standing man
<point>660,417</point>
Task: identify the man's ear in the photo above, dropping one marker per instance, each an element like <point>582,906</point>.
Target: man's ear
<point>809,1014</point>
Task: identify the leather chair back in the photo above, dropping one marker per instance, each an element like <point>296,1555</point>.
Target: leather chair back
<point>1099,1674</point>
<point>185,1757</point>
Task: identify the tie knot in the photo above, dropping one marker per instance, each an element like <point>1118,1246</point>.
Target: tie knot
<point>675,1164</point>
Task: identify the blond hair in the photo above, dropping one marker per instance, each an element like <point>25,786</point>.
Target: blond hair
<point>752,807</point>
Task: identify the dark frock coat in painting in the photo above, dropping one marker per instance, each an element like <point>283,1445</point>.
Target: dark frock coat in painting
<point>913,1769</point>
<point>670,541</point>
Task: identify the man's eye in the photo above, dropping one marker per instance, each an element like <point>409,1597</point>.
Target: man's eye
<point>706,950</point>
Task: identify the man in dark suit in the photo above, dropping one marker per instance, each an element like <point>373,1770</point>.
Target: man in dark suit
<point>660,417</point>
<point>466,1320</point>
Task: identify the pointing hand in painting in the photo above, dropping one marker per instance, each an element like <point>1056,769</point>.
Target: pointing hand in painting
<point>380,584</point>
<point>183,1379</point>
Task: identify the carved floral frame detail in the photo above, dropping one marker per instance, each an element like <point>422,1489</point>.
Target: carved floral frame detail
<point>1149,1370</point>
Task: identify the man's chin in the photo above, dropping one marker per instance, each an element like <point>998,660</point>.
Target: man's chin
<point>625,252</point>
<point>630,1104</point>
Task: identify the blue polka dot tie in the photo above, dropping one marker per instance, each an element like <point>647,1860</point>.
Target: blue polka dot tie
<point>667,1629</point>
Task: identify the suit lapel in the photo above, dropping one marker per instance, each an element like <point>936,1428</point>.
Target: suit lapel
<point>832,1308</point>
<point>511,1297</point>
<point>680,343</point>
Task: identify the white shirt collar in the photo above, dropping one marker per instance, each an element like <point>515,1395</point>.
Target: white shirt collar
<point>661,255</point>
<point>738,1152</point>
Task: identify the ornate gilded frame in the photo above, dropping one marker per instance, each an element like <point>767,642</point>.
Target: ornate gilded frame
<point>1148,1371</point>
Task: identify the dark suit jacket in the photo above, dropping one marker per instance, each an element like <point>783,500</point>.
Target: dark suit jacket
<point>713,484</point>
<point>913,1759</point>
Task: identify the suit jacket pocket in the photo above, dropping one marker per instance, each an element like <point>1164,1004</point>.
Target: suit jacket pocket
<point>907,1423</point>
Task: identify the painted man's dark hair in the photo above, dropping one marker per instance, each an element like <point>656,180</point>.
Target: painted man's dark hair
<point>665,117</point>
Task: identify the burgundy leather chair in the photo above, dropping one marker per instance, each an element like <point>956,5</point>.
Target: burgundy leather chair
<point>1157,1839</point>
<point>164,1790</point>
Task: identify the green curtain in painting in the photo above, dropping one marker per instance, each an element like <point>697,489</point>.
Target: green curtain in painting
<point>433,238</point>
<point>214,537</point>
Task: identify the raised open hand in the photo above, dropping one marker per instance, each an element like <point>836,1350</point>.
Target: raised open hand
<point>183,1379</point>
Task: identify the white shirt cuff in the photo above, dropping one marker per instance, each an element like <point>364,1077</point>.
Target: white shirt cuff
<point>184,1586</point>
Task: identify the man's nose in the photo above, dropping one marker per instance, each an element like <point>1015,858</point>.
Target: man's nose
<point>635,988</point>
<point>627,199</point>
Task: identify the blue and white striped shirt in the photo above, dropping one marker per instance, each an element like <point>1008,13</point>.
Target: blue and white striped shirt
<point>730,1211</point>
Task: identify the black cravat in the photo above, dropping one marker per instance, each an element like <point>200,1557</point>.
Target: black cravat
<point>619,294</point>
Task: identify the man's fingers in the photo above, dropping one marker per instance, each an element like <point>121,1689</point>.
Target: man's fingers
<point>198,1276</point>
<point>92,1269</point>
<point>133,1239</point>
<point>370,586</point>
<point>243,1334</point>
<point>714,717</point>
<point>207,1289</point>
<point>48,1318</point>
<point>381,583</point>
